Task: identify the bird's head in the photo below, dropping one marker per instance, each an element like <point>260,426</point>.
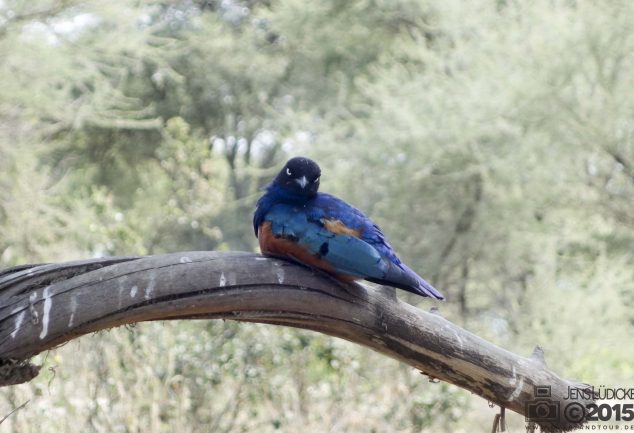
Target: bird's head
<point>298,179</point>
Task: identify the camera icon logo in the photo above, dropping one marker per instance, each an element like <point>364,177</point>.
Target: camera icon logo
<point>541,408</point>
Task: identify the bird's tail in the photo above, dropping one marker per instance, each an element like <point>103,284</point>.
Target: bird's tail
<point>429,290</point>
<point>404,278</point>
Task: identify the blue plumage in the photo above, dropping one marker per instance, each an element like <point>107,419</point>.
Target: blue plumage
<point>294,220</point>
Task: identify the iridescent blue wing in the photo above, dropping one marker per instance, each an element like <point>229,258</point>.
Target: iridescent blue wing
<point>346,241</point>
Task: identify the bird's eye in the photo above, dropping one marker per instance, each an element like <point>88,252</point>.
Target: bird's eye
<point>316,179</point>
<point>288,172</point>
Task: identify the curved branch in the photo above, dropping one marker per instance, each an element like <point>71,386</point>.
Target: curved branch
<point>43,306</point>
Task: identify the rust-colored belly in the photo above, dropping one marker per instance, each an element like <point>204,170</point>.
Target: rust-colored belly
<point>284,247</point>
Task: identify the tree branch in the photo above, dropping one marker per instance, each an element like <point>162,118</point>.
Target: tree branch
<point>43,306</point>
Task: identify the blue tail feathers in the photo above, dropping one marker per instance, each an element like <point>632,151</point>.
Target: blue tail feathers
<point>429,290</point>
<point>404,278</point>
<point>423,286</point>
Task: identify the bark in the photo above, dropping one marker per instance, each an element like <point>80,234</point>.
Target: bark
<point>43,306</point>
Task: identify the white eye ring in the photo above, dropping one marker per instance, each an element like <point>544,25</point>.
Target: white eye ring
<point>288,171</point>
<point>316,179</point>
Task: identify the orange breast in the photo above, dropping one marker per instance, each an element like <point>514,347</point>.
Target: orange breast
<point>284,247</point>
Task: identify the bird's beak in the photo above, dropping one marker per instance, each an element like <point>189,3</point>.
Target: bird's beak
<point>302,181</point>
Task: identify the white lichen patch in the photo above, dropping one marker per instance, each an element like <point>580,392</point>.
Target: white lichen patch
<point>459,340</point>
<point>223,280</point>
<point>279,273</point>
<point>35,316</point>
<point>133,291</point>
<point>150,287</point>
<point>48,304</point>
<point>18,323</point>
<point>73,309</point>
<point>519,384</point>
<point>120,294</point>
<point>185,259</point>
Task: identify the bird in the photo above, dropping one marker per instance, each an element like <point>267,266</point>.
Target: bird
<point>294,220</point>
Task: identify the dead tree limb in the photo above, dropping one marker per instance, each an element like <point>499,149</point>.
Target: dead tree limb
<point>43,306</point>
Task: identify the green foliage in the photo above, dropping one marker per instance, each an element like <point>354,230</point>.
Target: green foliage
<point>492,141</point>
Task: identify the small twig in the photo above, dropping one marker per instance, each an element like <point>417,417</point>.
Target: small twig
<point>14,410</point>
<point>499,422</point>
<point>52,370</point>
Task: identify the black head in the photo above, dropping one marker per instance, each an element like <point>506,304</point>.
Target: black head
<point>299,178</point>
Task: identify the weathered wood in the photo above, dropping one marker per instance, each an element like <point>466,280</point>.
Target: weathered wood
<point>44,306</point>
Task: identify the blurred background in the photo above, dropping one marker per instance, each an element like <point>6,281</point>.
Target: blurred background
<point>493,141</point>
